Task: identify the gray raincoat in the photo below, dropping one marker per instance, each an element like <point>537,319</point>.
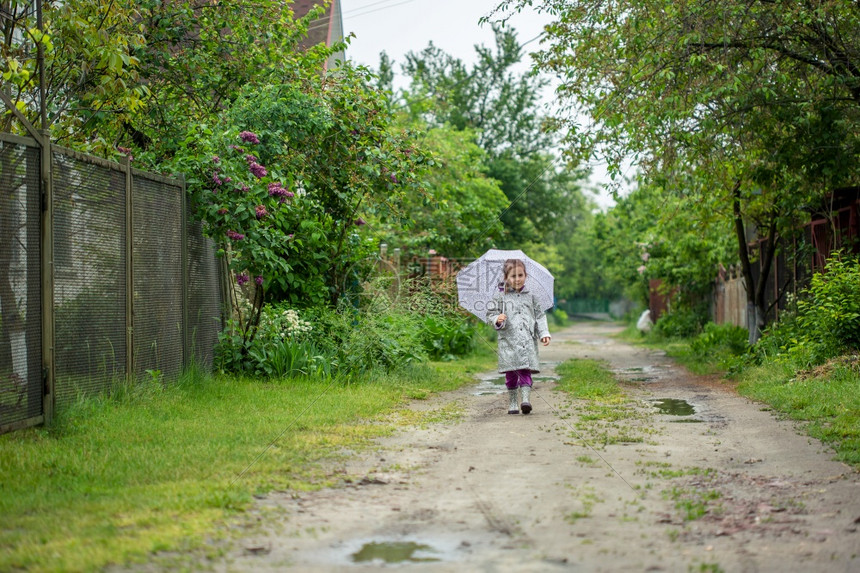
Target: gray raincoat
<point>520,332</point>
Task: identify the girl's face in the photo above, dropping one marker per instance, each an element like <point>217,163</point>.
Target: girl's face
<point>516,277</point>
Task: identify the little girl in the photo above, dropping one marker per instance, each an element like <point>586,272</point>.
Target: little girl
<point>520,322</point>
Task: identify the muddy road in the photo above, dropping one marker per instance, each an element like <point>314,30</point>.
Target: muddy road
<point>687,477</point>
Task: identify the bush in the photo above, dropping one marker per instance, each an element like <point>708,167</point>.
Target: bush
<point>826,321</point>
<point>282,347</point>
<point>376,331</point>
<point>680,323</point>
<point>720,343</point>
<point>558,317</point>
<point>448,336</point>
<point>831,312</point>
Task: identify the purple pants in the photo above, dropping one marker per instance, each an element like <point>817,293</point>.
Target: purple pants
<point>516,378</point>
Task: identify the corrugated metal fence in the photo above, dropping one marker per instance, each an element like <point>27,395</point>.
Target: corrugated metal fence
<point>102,277</point>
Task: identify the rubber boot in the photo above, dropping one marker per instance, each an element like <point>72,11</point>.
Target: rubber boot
<point>526,405</point>
<point>513,408</point>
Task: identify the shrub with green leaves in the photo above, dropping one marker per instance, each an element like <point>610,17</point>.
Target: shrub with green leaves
<point>720,342</point>
<point>448,336</point>
<point>682,322</point>
<point>826,322</point>
<point>281,347</point>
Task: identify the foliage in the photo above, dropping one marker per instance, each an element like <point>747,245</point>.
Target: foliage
<point>647,235</point>
<point>831,312</point>
<point>745,108</point>
<point>721,344</point>
<point>156,472</point>
<point>285,182</point>
<point>826,321</point>
<point>718,337</point>
<point>558,317</point>
<point>458,214</point>
<point>683,322</point>
<point>139,73</point>
<point>502,107</point>
<point>490,97</point>
<point>447,337</point>
<point>282,348</point>
<point>381,330</point>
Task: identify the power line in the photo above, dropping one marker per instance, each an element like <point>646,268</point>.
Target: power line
<point>375,9</point>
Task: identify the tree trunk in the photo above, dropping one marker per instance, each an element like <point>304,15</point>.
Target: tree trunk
<point>756,293</point>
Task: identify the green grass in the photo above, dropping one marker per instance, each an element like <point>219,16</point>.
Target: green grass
<point>678,349</point>
<point>603,412</point>
<point>167,468</point>
<point>827,397</point>
<point>692,503</point>
<point>589,379</point>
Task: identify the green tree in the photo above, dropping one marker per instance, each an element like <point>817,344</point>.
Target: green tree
<point>502,107</point>
<point>139,73</point>
<point>288,180</point>
<point>458,211</point>
<point>748,106</point>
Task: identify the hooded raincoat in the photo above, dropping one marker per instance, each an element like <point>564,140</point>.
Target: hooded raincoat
<point>519,333</point>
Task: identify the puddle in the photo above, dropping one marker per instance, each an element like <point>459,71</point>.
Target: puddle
<point>490,385</point>
<point>594,341</point>
<point>395,552</point>
<point>674,407</point>
<point>648,373</point>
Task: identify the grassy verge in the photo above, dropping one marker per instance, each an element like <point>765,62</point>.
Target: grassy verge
<point>165,468</point>
<point>827,397</point>
<point>676,348</point>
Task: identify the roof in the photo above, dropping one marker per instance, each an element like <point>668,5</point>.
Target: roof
<point>327,29</point>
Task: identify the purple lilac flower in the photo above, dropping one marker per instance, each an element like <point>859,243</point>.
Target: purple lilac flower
<point>261,211</point>
<point>290,236</point>
<point>228,180</point>
<point>394,177</point>
<point>216,159</point>
<point>360,222</point>
<point>259,280</point>
<point>215,179</point>
<point>237,148</point>
<point>242,278</point>
<point>258,170</point>
<point>234,235</point>
<point>222,211</point>
<point>277,189</point>
<point>249,137</point>
<point>250,158</point>
<point>243,188</point>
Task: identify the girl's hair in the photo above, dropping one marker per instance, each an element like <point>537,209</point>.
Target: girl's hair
<point>511,264</point>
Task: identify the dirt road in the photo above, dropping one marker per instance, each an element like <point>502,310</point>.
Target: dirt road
<point>716,484</point>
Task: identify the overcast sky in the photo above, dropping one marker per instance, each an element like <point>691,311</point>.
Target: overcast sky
<point>401,26</point>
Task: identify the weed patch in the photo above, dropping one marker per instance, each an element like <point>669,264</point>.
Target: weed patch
<point>603,413</point>
<point>163,468</point>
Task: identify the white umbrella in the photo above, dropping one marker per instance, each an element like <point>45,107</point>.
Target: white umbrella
<point>483,279</point>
